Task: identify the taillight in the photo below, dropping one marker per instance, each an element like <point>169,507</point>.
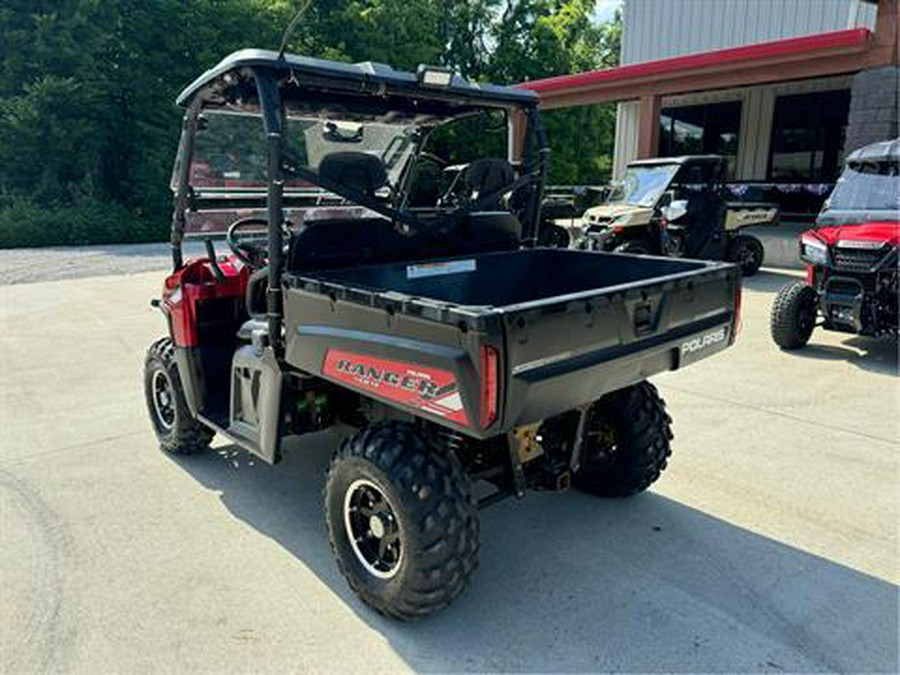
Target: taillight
<point>489,359</point>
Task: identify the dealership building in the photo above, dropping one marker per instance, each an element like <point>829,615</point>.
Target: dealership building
<point>784,89</point>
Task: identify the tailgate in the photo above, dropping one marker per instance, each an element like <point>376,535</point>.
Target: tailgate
<point>565,352</point>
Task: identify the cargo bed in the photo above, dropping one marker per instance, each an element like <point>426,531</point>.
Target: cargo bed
<point>564,327</point>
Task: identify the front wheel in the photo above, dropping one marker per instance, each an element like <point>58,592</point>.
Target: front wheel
<point>554,236</point>
<point>748,253</point>
<point>176,429</point>
<point>625,446</point>
<point>794,315</point>
<point>402,521</point>
<point>633,246</point>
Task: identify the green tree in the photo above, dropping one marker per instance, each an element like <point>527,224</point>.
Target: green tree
<point>543,38</point>
<point>88,127</point>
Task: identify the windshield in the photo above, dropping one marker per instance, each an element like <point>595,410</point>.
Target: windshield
<point>643,185</point>
<point>230,151</point>
<point>310,140</point>
<point>872,186</point>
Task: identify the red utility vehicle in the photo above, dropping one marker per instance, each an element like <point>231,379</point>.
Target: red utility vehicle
<point>851,258</point>
<point>471,363</point>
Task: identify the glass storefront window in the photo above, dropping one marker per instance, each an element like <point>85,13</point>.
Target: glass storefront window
<point>701,129</point>
<point>808,136</point>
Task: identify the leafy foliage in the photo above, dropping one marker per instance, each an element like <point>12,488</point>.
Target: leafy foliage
<point>88,128</point>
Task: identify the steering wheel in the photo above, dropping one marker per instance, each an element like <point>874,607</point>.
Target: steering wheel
<point>250,252</point>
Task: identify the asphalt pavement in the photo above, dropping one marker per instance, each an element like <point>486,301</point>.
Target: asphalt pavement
<point>770,544</point>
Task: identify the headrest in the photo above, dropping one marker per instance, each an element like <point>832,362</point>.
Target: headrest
<point>489,175</point>
<point>357,170</point>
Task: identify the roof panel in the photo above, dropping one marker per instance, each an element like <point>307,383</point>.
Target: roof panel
<point>366,73</point>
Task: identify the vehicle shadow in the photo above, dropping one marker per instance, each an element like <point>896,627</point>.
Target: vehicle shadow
<point>572,583</point>
<point>877,355</point>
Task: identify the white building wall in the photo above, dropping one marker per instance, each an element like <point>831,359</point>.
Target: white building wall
<point>626,145</point>
<point>755,134</point>
<point>657,29</point>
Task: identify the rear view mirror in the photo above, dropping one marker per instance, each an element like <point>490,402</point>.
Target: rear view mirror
<point>343,132</point>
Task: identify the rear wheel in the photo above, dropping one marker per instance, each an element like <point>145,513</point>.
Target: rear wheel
<point>402,521</point>
<point>747,252</point>
<point>794,315</point>
<point>626,442</point>
<point>177,430</point>
<point>675,246</point>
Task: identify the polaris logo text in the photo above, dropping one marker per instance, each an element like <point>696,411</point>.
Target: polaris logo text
<point>703,341</point>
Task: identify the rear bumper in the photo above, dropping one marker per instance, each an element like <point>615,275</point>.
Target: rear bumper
<point>548,387</point>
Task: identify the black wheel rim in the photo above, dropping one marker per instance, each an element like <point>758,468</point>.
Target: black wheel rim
<point>748,257</point>
<point>601,441</point>
<point>807,317</point>
<point>676,247</point>
<point>163,399</point>
<point>372,529</point>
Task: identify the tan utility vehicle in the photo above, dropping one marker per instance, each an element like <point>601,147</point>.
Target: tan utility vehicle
<point>676,206</point>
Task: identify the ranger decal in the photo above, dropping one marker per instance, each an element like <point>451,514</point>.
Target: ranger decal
<point>429,389</point>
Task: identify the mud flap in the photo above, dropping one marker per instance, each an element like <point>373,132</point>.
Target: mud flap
<point>256,410</point>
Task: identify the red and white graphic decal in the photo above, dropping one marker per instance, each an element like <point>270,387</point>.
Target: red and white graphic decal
<point>429,389</point>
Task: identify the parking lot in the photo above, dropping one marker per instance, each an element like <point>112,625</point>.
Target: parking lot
<point>770,544</point>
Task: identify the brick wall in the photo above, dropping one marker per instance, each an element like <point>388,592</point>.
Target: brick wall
<point>873,108</point>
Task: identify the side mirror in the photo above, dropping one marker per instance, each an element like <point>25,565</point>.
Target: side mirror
<point>674,210</point>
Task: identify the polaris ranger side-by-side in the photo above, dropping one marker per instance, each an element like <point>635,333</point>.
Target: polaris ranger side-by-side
<point>676,206</point>
<point>461,352</point>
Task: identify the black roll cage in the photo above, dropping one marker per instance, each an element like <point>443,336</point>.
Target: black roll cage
<point>268,83</point>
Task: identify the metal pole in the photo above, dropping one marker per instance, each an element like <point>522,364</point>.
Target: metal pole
<point>182,186</point>
<point>536,127</point>
<point>276,219</point>
<point>270,103</point>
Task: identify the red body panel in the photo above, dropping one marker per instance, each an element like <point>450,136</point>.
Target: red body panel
<point>885,231</point>
<point>429,389</point>
<point>195,282</point>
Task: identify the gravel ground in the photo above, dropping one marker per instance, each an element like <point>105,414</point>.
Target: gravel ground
<point>28,265</point>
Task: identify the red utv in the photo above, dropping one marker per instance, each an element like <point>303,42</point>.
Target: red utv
<point>851,257</point>
<point>472,363</point>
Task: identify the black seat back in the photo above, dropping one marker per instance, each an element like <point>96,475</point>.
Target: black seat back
<point>484,176</point>
<point>333,244</point>
<point>359,171</point>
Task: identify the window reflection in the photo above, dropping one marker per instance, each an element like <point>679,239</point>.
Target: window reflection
<point>701,129</point>
<point>808,136</point>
